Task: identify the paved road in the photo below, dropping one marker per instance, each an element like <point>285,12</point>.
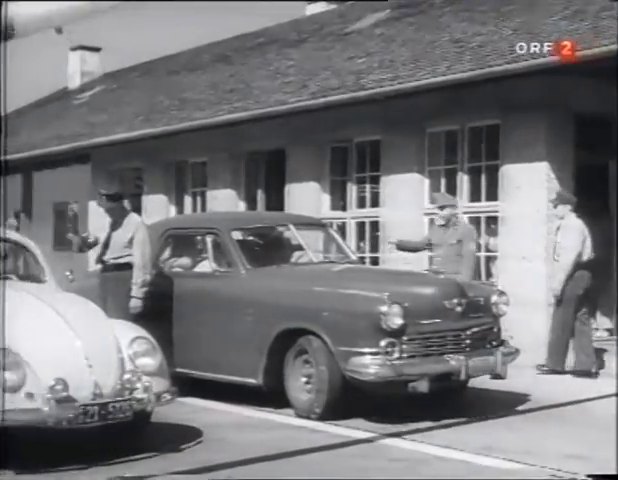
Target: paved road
<point>523,427</point>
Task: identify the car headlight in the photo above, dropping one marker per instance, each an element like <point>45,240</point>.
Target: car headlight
<point>146,355</point>
<point>13,371</point>
<point>500,303</point>
<point>391,317</point>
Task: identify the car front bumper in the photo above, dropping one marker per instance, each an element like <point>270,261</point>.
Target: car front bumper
<point>64,413</point>
<point>377,368</point>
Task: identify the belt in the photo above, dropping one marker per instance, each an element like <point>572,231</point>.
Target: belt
<point>116,267</point>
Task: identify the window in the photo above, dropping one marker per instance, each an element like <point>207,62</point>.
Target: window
<point>355,196</point>
<point>265,174</point>
<point>198,186</point>
<point>268,246</point>
<point>194,252</point>
<point>191,186</point>
<point>65,222</point>
<point>465,162</point>
<point>19,263</point>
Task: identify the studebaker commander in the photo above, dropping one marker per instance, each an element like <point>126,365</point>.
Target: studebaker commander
<point>124,256</point>
<point>451,240</point>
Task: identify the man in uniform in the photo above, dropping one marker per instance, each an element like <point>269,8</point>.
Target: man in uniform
<point>451,240</point>
<point>571,282</point>
<point>124,256</point>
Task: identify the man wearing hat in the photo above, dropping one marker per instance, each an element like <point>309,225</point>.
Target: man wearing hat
<point>451,240</point>
<point>124,255</point>
<point>571,282</point>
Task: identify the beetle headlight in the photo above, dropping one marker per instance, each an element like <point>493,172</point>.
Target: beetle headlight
<point>146,355</point>
<point>13,371</point>
<point>391,317</point>
<point>500,303</point>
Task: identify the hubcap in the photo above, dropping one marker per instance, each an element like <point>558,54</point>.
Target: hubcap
<point>303,374</point>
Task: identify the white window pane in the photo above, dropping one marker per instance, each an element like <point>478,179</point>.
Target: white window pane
<point>361,192</point>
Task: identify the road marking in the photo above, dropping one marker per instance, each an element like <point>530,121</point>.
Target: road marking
<point>377,438</point>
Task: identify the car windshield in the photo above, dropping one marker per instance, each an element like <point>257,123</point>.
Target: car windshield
<point>267,246</point>
<point>19,263</point>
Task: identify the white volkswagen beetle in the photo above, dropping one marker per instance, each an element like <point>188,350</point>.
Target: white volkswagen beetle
<point>64,363</point>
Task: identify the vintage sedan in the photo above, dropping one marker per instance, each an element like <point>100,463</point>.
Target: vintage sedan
<point>64,363</point>
<point>279,300</point>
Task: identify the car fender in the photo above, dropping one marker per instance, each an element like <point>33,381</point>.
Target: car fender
<point>310,328</point>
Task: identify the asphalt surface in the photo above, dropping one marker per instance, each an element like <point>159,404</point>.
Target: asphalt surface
<point>527,426</point>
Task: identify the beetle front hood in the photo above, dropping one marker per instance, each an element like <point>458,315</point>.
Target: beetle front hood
<point>62,335</point>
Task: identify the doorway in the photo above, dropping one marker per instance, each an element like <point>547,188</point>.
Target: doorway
<point>265,174</point>
<point>595,188</point>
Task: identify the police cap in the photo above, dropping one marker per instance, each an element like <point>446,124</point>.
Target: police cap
<point>441,199</point>
<point>108,186</point>
<point>563,197</point>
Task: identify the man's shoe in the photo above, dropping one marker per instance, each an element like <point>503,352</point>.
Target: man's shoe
<point>585,373</point>
<point>545,370</point>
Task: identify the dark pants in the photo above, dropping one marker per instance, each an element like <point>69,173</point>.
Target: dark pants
<point>115,293</point>
<point>572,318</point>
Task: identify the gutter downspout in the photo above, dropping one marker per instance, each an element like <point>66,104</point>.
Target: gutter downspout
<point>337,100</point>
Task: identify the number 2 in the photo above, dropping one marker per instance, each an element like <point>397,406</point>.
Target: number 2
<point>566,48</point>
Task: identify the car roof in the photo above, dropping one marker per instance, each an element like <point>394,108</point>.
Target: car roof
<point>230,220</point>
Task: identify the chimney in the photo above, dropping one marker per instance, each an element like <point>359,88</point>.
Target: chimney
<point>84,65</point>
<point>317,7</point>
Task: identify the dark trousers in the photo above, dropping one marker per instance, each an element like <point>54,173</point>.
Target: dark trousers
<point>572,318</point>
<point>115,293</point>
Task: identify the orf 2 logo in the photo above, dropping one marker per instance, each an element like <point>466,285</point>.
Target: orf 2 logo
<point>566,50</point>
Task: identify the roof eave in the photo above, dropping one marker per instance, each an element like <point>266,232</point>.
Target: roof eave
<point>337,100</point>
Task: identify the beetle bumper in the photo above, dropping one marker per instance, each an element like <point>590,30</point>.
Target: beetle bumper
<point>377,368</point>
<point>64,413</point>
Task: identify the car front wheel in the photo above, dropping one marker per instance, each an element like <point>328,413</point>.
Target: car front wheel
<point>312,379</point>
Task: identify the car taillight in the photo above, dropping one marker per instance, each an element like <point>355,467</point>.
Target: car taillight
<point>13,371</point>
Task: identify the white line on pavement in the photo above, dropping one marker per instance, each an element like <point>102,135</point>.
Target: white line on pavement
<point>405,444</point>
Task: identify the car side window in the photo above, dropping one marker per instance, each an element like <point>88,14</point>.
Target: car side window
<point>194,252</point>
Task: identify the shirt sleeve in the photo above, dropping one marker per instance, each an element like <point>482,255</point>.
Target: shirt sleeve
<point>468,252</point>
<point>413,245</point>
<point>142,268</point>
<point>569,249</point>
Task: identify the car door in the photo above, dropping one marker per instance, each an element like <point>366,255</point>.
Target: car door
<point>211,337</point>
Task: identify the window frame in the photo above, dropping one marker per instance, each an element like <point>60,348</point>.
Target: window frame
<point>352,214</point>
<point>195,232</point>
<point>482,209</point>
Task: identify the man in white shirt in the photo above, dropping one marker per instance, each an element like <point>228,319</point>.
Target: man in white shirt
<point>571,282</point>
<point>124,256</point>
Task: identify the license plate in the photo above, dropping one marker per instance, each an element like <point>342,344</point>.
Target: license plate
<point>102,412</point>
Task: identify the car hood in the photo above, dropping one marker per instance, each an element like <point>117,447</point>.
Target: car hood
<point>60,334</point>
<point>422,294</point>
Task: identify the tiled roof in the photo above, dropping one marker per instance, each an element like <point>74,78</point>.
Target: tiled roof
<point>357,47</point>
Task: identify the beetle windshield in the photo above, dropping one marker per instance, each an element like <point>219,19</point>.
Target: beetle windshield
<point>266,246</point>
<point>18,263</point>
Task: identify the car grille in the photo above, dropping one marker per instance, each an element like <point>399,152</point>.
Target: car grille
<point>457,341</point>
